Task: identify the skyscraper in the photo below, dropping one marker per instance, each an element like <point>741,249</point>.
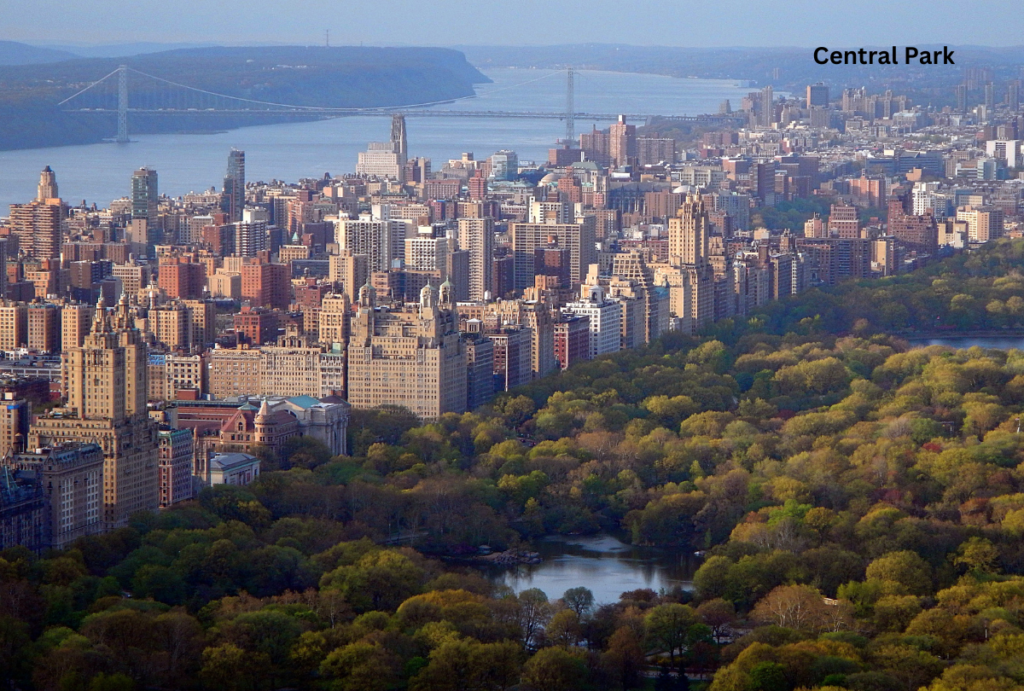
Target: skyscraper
<point>688,233</point>
<point>144,194</point>
<point>476,236</point>
<point>37,226</point>
<point>47,185</point>
<point>621,143</point>
<point>106,381</point>
<point>412,357</point>
<point>233,199</point>
<point>767,107</point>
<point>398,136</point>
<point>817,95</point>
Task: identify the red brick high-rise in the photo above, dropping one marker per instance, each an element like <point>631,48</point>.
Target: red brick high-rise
<point>266,285</point>
<point>182,280</point>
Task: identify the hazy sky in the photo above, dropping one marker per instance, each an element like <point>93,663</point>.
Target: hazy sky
<point>518,22</point>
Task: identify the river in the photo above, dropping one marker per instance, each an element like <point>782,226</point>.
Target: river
<point>195,162</point>
<point>603,563</point>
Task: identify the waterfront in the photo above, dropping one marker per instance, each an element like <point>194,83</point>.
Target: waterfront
<point>603,563</point>
<point>194,162</point>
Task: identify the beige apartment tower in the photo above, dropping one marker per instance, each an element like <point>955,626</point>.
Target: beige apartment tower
<point>412,358</point>
<point>105,381</point>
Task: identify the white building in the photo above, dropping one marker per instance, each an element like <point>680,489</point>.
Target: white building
<point>382,242</point>
<point>426,253</point>
<point>605,319</point>
<point>382,160</point>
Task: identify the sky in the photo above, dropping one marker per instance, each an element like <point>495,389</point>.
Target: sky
<point>847,23</point>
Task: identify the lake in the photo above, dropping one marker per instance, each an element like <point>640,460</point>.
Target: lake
<point>603,563</point>
<point>194,162</point>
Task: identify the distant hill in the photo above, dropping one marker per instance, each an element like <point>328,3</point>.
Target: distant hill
<point>14,53</point>
<point>117,50</point>
<point>786,68</point>
<point>344,77</point>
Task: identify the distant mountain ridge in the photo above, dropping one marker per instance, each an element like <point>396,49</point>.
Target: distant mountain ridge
<point>14,53</point>
<point>340,77</point>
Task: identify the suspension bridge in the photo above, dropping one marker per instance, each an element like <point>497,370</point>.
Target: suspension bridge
<point>128,92</point>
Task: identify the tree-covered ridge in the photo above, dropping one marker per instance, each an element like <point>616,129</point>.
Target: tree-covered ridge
<point>860,503</point>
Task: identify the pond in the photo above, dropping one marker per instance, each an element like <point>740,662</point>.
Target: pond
<point>602,563</point>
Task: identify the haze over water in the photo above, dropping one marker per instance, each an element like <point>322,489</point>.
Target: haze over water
<point>195,162</point>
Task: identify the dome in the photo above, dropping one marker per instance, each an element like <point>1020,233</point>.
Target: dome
<point>549,179</point>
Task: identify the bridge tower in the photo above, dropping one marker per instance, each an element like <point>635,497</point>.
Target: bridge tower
<point>570,110</point>
<point>122,104</point>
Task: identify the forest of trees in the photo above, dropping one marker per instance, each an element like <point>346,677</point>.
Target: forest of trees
<point>860,504</point>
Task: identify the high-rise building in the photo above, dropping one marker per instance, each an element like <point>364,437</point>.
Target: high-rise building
<point>13,325</point>
<point>334,319</point>
<point>266,285</point>
<point>961,98</point>
<point>476,236</point>
<point>15,416</point>
<point>605,319</point>
<point>251,237</point>
<point>233,198</point>
<point>44,323</point>
<point>1013,95</point>
<point>767,115</point>
<point>427,253</point>
<point>175,453</point>
<point>621,143</point>
<point>652,150</point>
<point>381,241</point>
<point>398,135</point>
<point>572,340</point>
<point>844,222</point>
<point>382,160</point>
<point>688,233</point>
<point>817,95</point>
<point>983,223</point>
<point>504,165</point>
<point>145,195</point>
<point>71,476</point>
<point>412,358</point>
<point>578,238</point>
<point>47,185</point>
<point>106,386</point>
<point>350,270</point>
<point>37,225</point>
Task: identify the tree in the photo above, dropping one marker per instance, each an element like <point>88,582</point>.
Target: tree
<point>905,570</point>
<point>533,613</point>
<point>791,606</point>
<point>555,669</point>
<point>230,668</point>
<point>465,665</point>
<point>978,554</point>
<point>564,628</point>
<point>623,658</point>
<point>666,627</point>
<point>579,600</point>
<point>360,666</point>
<point>718,614</point>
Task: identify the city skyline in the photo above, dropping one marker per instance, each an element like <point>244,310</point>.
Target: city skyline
<point>732,23</point>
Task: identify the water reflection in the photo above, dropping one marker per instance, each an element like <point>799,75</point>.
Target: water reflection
<point>602,563</point>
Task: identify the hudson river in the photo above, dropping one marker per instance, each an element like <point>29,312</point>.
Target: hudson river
<point>195,162</point>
